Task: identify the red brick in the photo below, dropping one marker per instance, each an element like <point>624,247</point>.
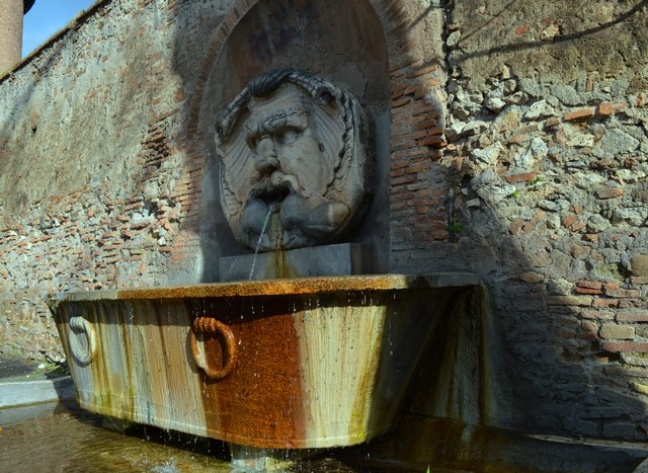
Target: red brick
<point>632,303</point>
<point>611,285</point>
<point>607,108</point>
<point>590,284</point>
<point>522,29</point>
<point>580,250</point>
<point>578,226</point>
<point>569,220</point>
<point>419,167</point>
<point>551,122</point>
<point>581,301</point>
<point>524,177</point>
<point>398,70</point>
<point>632,317</point>
<point>605,303</point>
<point>435,130</point>
<point>413,88</point>
<point>518,138</point>
<point>585,290</point>
<point>406,155</point>
<point>422,71</point>
<point>136,205</point>
<point>516,226</point>
<point>401,101</point>
<point>608,192</point>
<point>406,179</point>
<point>597,314</point>
<point>433,83</point>
<point>420,186</point>
<point>616,331</point>
<point>589,83</point>
<point>528,227</point>
<point>431,114</point>
<point>433,141</point>
<point>580,114</point>
<point>399,144</point>
<point>623,293</point>
<point>588,336</point>
<point>626,347</point>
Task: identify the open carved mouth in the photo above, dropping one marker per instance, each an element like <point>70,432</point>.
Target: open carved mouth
<point>274,189</point>
<point>273,195</point>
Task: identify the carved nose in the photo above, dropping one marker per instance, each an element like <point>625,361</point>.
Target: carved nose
<point>266,156</point>
<point>266,147</point>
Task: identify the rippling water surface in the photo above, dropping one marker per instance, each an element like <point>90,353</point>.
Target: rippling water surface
<point>75,441</point>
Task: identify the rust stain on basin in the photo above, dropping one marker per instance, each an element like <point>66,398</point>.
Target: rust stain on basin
<point>297,363</point>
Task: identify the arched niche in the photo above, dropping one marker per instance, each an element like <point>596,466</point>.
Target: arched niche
<point>339,40</point>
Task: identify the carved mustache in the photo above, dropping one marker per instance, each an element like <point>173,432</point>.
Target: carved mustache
<point>278,183</point>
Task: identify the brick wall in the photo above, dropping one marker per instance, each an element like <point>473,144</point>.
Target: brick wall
<point>417,208</point>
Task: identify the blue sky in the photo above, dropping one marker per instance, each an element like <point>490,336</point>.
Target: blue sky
<point>46,18</point>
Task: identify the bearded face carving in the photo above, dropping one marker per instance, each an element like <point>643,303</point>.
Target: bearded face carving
<point>294,166</point>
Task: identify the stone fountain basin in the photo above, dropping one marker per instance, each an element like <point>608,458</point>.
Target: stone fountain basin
<point>293,363</point>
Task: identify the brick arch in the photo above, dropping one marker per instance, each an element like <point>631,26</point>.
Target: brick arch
<point>390,12</point>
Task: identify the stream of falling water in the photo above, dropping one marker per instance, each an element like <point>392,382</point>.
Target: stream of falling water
<point>271,209</point>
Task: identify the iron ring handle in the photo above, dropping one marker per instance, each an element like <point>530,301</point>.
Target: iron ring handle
<point>212,326</point>
<point>83,354</point>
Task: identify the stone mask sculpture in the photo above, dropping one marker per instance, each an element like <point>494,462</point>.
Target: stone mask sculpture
<point>294,165</point>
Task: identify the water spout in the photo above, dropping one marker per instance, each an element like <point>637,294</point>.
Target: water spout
<point>271,210</point>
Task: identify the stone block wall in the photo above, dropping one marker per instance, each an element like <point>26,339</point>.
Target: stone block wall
<point>100,189</point>
<point>547,163</point>
<point>516,149</point>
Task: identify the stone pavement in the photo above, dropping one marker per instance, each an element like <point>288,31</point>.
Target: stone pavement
<point>26,383</point>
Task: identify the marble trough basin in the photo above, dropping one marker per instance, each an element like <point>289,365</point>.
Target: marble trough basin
<point>295,363</point>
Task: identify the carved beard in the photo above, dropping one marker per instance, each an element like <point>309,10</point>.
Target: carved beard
<point>278,216</point>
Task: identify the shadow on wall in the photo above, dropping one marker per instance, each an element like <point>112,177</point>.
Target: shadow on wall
<point>550,303</point>
<point>15,200</point>
<point>533,366</point>
<point>561,38</point>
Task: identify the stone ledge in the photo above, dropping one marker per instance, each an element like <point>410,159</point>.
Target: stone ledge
<point>22,393</point>
<point>329,260</point>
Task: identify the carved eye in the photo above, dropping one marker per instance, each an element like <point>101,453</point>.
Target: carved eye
<point>288,136</point>
<point>252,142</point>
